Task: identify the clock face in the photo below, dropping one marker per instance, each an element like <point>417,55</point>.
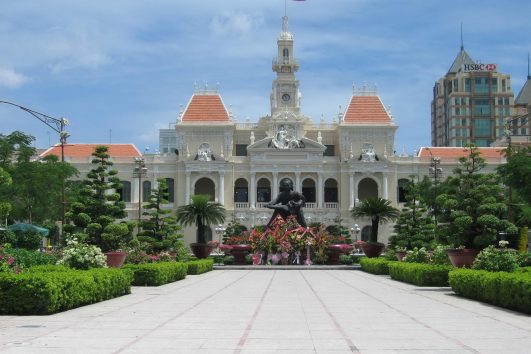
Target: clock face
<point>286,97</point>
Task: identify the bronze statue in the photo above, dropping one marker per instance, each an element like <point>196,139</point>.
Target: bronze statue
<point>287,203</point>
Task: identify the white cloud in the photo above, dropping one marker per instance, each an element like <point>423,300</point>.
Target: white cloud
<point>235,23</point>
<point>11,79</point>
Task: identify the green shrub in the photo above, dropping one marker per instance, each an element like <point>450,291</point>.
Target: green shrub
<point>48,289</point>
<point>228,260</point>
<point>417,255</point>
<point>375,265</point>
<point>497,259</point>
<point>28,240</point>
<point>356,258</point>
<point>26,258</point>
<point>345,259</point>
<point>155,274</point>
<point>419,273</point>
<point>509,290</point>
<point>439,255</point>
<point>200,266</point>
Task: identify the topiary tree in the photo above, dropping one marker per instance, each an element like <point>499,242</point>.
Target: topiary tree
<point>234,228</point>
<point>472,208</point>
<point>160,231</point>
<point>99,206</point>
<point>414,227</point>
<point>379,210</point>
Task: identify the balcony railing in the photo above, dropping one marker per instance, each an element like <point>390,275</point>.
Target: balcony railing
<point>310,205</point>
<point>239,205</point>
<point>331,205</point>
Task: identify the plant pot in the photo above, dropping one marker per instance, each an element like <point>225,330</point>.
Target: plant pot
<point>257,259</point>
<point>400,255</point>
<point>334,251</point>
<point>372,249</point>
<point>462,257</point>
<point>225,249</point>
<point>201,250</point>
<point>239,252</point>
<point>115,259</point>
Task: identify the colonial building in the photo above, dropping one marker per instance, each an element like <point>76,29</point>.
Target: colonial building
<point>335,165</point>
<point>470,104</point>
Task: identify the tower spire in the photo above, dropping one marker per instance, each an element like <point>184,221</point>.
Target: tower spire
<point>462,46</point>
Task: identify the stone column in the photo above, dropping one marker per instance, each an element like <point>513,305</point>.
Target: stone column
<point>274,187</point>
<point>221,192</point>
<point>320,191</point>
<point>385,189</point>
<point>352,190</point>
<point>253,190</point>
<point>298,182</point>
<point>187,189</point>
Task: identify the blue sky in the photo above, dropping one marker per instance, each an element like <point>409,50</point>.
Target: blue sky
<point>119,70</point>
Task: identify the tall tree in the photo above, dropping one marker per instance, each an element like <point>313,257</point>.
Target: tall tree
<point>99,205</point>
<point>160,230</point>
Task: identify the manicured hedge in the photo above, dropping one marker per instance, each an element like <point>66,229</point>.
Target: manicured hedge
<point>378,266</point>
<point>155,274</point>
<point>509,290</point>
<point>200,266</point>
<point>26,258</point>
<point>49,289</point>
<point>419,273</point>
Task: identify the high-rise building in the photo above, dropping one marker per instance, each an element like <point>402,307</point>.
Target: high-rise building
<point>470,103</point>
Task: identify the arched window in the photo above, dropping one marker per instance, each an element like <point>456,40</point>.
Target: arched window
<point>263,190</point>
<point>367,188</point>
<point>146,190</point>
<point>401,193</point>
<point>125,192</point>
<point>241,191</point>
<point>205,186</point>
<point>285,54</point>
<point>170,182</point>
<point>308,190</point>
<point>330,191</point>
<point>366,233</point>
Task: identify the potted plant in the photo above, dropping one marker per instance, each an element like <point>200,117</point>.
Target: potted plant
<point>379,210</point>
<point>472,210</point>
<point>239,247</point>
<point>201,212</point>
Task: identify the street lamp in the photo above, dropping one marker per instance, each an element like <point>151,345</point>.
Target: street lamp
<point>355,230</point>
<point>220,230</point>
<point>435,171</point>
<point>139,171</point>
<point>58,125</point>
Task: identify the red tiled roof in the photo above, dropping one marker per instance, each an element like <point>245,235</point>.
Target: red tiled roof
<point>86,150</point>
<point>366,110</point>
<point>457,152</point>
<point>205,108</point>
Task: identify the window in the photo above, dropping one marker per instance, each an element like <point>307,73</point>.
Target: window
<point>402,190</point>
<point>481,85</point>
<point>456,86</point>
<point>456,100</point>
<point>506,101</point>
<point>146,190</point>
<point>482,127</point>
<point>504,88</point>
<point>500,101</point>
<point>494,82</point>
<point>170,183</point>
<point>467,85</point>
<point>241,191</point>
<point>125,192</point>
<point>482,107</point>
<point>463,101</point>
<point>482,142</point>
<point>263,194</point>
<point>241,150</point>
<point>330,150</point>
<point>285,54</point>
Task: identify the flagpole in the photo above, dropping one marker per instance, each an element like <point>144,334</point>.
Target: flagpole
<point>285,7</point>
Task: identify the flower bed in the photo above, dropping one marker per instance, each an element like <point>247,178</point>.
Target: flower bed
<point>200,266</point>
<point>48,289</point>
<point>509,290</point>
<point>155,274</point>
<point>419,274</point>
<point>379,266</point>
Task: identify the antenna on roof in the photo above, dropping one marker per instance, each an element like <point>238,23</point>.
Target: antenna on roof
<point>462,46</point>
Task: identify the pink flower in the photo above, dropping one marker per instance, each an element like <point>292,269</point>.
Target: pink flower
<point>10,260</point>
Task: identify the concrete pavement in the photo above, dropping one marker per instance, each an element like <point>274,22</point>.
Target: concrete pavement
<point>280,311</point>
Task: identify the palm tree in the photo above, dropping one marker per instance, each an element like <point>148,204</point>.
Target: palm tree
<point>201,212</point>
<point>379,210</point>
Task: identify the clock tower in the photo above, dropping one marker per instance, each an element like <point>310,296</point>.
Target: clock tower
<point>285,95</point>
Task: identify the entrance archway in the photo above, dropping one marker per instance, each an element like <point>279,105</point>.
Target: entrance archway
<point>205,186</point>
<point>367,188</point>
<point>308,190</point>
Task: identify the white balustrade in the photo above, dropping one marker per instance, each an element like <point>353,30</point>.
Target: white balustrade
<point>239,205</point>
<point>310,205</point>
<point>331,205</point>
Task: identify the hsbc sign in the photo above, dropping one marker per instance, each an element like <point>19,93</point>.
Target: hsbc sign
<point>479,67</point>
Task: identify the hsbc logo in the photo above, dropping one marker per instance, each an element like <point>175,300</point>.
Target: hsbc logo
<point>479,67</point>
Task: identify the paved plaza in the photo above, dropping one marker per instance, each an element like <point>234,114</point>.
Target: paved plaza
<point>275,311</point>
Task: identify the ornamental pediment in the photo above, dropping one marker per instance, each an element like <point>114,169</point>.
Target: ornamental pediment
<point>274,144</point>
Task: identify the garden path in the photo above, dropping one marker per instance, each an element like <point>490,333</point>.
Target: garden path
<point>281,311</point>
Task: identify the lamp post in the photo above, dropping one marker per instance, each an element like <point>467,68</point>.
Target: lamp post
<point>355,230</point>
<point>139,171</point>
<point>58,125</point>
<point>435,170</point>
<point>220,230</point>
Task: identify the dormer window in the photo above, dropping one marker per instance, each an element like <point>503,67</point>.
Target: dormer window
<point>285,54</point>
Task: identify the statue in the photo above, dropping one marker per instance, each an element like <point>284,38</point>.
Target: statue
<point>287,203</point>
